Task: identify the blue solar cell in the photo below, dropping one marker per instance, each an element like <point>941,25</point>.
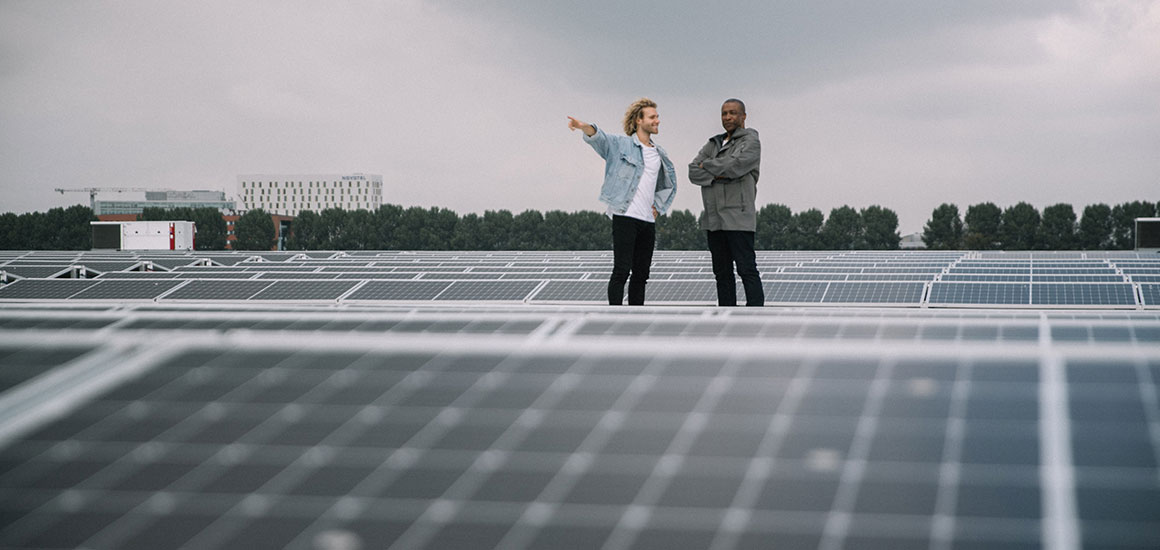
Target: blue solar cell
<point>1150,294</point>
<point>895,293</point>
<point>793,292</point>
<point>1082,294</point>
<point>980,293</point>
<point>987,278</point>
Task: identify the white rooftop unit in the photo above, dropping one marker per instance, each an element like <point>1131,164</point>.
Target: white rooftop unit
<point>158,235</point>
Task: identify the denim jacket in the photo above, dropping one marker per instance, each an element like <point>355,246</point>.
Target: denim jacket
<point>624,164</point>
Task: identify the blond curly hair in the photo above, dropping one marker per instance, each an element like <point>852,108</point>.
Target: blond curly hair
<point>634,113</point>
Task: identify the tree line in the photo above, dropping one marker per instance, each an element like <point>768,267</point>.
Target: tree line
<point>393,227</point>
<point>1022,227</point>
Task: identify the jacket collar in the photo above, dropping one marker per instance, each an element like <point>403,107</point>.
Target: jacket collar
<point>657,146</point>
<point>738,133</point>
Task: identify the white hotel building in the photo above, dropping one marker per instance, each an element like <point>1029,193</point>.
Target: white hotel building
<point>290,194</point>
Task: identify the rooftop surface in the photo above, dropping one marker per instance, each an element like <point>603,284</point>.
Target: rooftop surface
<point>491,401</point>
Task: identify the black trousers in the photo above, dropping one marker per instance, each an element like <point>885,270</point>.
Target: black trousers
<point>632,250</point>
<point>735,247</point>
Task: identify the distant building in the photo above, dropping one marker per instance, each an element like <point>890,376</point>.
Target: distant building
<point>282,226</point>
<point>912,241</point>
<point>290,194</point>
<point>165,199</point>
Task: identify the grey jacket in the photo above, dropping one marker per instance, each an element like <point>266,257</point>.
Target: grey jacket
<point>728,181</point>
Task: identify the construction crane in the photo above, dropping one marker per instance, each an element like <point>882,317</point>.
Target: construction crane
<point>92,191</point>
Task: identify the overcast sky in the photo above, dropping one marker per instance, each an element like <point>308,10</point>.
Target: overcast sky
<point>462,103</point>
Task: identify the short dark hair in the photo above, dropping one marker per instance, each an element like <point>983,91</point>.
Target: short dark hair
<point>737,101</point>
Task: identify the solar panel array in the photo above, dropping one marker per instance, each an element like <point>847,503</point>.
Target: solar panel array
<point>914,279</point>
<point>437,425</point>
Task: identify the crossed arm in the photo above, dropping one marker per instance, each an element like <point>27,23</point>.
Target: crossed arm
<point>705,170</point>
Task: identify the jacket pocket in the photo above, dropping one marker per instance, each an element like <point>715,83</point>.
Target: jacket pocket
<point>627,167</point>
<point>734,197</point>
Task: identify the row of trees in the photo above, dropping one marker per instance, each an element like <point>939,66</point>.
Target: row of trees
<point>56,229</point>
<point>1022,227</point>
<point>393,227</point>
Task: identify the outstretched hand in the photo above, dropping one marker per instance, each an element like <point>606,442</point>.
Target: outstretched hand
<point>574,125</point>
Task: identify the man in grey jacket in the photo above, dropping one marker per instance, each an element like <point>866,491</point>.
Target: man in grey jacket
<point>727,169</point>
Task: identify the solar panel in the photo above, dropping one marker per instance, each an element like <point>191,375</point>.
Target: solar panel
<point>793,292</point>
<point>1149,294</point>
<point>240,275</point>
<point>218,290</point>
<point>488,290</point>
<point>576,291</point>
<point>103,267</point>
<point>377,275</point>
<point>897,293</point>
<point>170,263</point>
<point>980,293</point>
<point>563,276</point>
<point>126,290</point>
<point>1083,294</point>
<point>688,276</point>
<point>144,275</point>
<point>296,275</point>
<point>652,444</point>
<point>1077,278</point>
<point>36,271</point>
<point>986,278</point>
<point>1037,271</point>
<point>805,276</point>
<point>1142,270</point>
<point>305,290</point>
<point>399,290</point>
<point>990,271</point>
<point>680,291</point>
<point>23,363</point>
<point>889,277</point>
<point>39,322</point>
<point>44,289</point>
<point>275,257</point>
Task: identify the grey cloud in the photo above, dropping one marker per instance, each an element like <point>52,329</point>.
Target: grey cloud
<point>693,47</point>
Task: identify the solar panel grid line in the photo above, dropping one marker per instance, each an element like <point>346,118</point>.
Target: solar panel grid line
<point>760,468</point>
<point>403,290</point>
<point>1150,396</point>
<point>47,290</point>
<point>127,290</point>
<point>419,533</point>
<point>837,524</point>
<point>216,289</point>
<point>970,294</point>
<point>419,443</point>
<point>1084,294</point>
<point>665,472</point>
<point>1060,516</point>
<point>58,392</point>
<point>949,475</point>
<point>488,462</point>
<point>292,471</point>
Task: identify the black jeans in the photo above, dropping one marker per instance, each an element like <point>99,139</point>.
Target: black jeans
<point>727,248</point>
<point>632,250</point>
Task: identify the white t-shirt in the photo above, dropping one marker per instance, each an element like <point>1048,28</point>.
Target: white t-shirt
<point>642,202</point>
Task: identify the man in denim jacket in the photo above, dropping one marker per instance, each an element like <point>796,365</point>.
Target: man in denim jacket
<point>640,183</point>
<point>727,168</point>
